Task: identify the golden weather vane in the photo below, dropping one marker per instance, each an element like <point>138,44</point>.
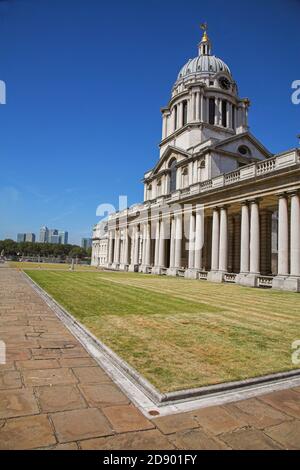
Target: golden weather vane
<point>204,27</point>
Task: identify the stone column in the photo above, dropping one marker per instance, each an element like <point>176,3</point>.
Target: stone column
<point>245,239</point>
<point>178,241</point>
<point>192,242</point>
<point>157,235</point>
<point>110,247</point>
<point>172,244</point>
<point>215,241</point>
<point>164,132</point>
<point>223,250</point>
<point>148,245</point>
<point>179,115</point>
<point>136,247</point>
<point>162,243</point>
<point>144,245</point>
<point>126,248</point>
<point>199,99</point>
<point>191,107</point>
<point>220,112</point>
<point>295,235</point>
<point>199,239</point>
<point>254,239</point>
<point>117,248</point>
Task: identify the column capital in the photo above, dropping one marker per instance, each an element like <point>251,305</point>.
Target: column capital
<point>245,203</point>
<point>284,195</point>
<point>296,192</point>
<point>256,200</point>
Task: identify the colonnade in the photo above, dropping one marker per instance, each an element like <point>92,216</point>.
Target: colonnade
<point>162,246</point>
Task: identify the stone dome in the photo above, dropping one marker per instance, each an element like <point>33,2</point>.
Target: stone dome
<point>203,65</point>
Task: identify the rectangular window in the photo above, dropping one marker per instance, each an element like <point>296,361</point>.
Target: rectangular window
<point>212,111</point>
<point>175,118</point>
<point>224,113</point>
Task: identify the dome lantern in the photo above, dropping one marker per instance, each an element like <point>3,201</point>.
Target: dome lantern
<point>205,45</point>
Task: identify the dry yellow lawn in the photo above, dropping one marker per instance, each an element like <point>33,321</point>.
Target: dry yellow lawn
<point>180,333</point>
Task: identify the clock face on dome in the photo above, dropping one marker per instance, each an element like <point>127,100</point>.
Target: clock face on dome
<point>224,83</point>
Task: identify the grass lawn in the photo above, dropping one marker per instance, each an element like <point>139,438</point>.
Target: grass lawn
<point>180,333</point>
<point>60,266</point>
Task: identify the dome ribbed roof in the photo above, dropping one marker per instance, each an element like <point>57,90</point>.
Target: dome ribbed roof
<point>203,64</point>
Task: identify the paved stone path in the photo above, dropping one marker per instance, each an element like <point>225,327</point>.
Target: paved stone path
<point>54,396</point>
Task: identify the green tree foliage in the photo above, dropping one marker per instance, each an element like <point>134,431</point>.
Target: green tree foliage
<point>12,248</point>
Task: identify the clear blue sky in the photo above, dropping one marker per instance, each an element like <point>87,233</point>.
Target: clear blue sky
<point>85,83</point>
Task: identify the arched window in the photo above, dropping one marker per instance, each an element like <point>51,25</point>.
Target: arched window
<point>184,113</point>
<point>173,171</point>
<point>212,111</point>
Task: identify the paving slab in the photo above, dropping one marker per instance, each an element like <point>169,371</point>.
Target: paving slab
<point>48,377</point>
<point>80,424</point>
<point>196,439</point>
<point>249,439</point>
<point>218,420</point>
<point>101,395</point>
<point>143,440</point>
<point>177,422</point>
<point>127,418</point>
<point>286,401</point>
<point>37,364</point>
<point>255,413</point>
<point>26,433</point>
<point>15,403</point>
<point>286,434</point>
<point>91,375</point>
<point>10,379</point>
<point>59,398</point>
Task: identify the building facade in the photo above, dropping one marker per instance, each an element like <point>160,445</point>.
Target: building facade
<point>44,234</point>
<point>217,205</point>
<point>100,245</point>
<point>30,237</point>
<point>21,237</point>
<point>63,237</point>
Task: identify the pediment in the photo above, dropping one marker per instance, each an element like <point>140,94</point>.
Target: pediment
<point>163,163</point>
<point>233,144</point>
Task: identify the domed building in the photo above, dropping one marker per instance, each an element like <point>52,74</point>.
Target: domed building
<point>218,205</point>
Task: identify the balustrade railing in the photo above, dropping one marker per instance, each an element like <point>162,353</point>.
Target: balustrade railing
<point>270,165</point>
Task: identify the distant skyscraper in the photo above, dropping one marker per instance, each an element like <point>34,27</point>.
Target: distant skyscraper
<point>30,237</point>
<point>44,234</point>
<point>21,237</point>
<point>53,236</point>
<point>63,237</point>
<point>86,243</point>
